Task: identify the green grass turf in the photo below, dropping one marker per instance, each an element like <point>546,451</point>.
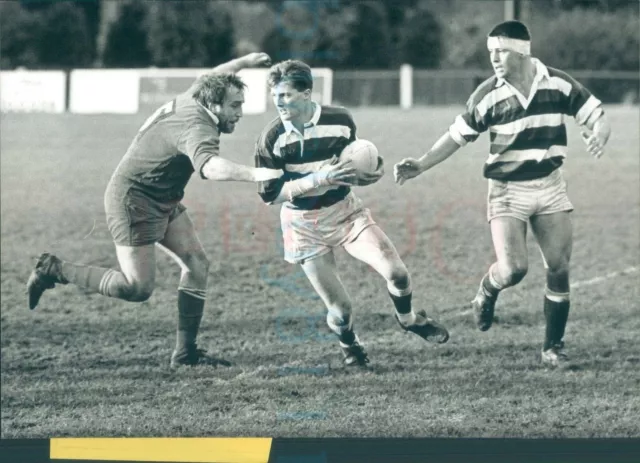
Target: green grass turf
<point>85,365</point>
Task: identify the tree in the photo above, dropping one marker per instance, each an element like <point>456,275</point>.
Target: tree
<point>190,34</point>
<point>65,40</point>
<point>421,39</point>
<point>88,9</point>
<point>19,31</point>
<point>309,31</point>
<point>126,45</point>
<point>370,41</point>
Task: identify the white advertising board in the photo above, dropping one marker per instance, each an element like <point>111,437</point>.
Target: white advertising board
<point>33,91</point>
<point>95,91</point>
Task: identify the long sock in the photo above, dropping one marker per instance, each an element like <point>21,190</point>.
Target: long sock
<point>190,310</point>
<point>556,313</point>
<point>105,281</point>
<point>489,284</point>
<point>402,301</point>
<point>342,326</point>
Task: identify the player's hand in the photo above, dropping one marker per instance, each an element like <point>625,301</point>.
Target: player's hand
<point>264,174</point>
<point>406,169</point>
<point>595,145</point>
<point>336,173</point>
<point>365,179</point>
<point>255,60</point>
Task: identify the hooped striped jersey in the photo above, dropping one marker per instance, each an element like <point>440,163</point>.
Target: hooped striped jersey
<point>528,137</point>
<point>282,146</point>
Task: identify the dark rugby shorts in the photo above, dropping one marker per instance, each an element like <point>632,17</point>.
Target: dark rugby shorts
<point>135,219</point>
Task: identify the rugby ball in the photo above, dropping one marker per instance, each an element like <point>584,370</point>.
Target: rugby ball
<point>363,154</point>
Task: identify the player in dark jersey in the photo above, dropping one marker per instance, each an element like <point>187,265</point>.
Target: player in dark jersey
<point>523,106</point>
<point>320,212</point>
<point>143,208</point>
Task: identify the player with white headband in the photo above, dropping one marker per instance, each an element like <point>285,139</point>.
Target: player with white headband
<point>523,107</point>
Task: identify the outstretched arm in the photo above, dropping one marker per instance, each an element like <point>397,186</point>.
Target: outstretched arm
<point>252,60</point>
<point>410,168</point>
<point>201,143</point>
<point>221,170</point>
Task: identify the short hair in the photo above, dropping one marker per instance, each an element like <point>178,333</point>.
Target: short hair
<point>296,72</point>
<point>512,30</point>
<point>210,89</point>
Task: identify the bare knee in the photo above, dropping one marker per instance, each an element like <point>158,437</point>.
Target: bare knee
<point>400,278</point>
<point>558,266</point>
<point>338,307</point>
<point>197,263</point>
<point>513,272</point>
<point>558,276</point>
<point>139,292</point>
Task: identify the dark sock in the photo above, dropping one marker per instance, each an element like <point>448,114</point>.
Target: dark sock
<point>190,310</point>
<point>342,328</point>
<point>347,337</point>
<point>489,287</point>
<point>105,281</point>
<point>556,315</point>
<point>402,303</point>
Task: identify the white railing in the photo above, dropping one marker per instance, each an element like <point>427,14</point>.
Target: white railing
<point>409,87</point>
<point>130,91</point>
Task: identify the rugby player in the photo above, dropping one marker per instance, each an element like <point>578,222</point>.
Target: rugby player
<point>523,106</point>
<point>143,202</point>
<point>320,212</point>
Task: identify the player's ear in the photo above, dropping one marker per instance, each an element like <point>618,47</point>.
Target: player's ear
<point>216,108</point>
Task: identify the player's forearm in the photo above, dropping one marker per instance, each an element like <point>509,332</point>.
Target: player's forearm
<point>221,170</point>
<point>232,66</point>
<point>296,188</point>
<point>441,150</point>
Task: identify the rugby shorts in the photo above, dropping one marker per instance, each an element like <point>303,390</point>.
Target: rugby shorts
<point>135,219</point>
<point>308,234</point>
<point>527,198</point>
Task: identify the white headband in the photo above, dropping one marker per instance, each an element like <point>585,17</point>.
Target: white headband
<point>519,46</point>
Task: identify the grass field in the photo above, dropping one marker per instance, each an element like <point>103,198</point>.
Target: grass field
<point>85,365</point>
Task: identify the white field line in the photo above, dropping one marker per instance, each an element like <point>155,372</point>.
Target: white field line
<point>589,282</point>
<point>608,276</point>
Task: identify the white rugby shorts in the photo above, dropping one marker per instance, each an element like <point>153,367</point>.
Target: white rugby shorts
<point>312,233</point>
<point>527,198</point>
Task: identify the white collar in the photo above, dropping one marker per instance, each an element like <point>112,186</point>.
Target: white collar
<point>289,127</point>
<point>210,113</point>
<point>541,73</point>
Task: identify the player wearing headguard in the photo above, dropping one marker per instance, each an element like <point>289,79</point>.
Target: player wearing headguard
<point>523,106</point>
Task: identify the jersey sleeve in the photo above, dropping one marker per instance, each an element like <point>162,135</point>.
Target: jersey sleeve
<point>265,156</point>
<point>200,142</point>
<point>468,126</point>
<point>582,105</point>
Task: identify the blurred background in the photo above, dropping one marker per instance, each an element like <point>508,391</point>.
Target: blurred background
<point>379,52</point>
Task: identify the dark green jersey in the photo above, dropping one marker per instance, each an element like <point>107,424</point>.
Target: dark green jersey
<point>174,142</point>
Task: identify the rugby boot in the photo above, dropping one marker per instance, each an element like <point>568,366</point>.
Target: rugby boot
<point>483,308</point>
<point>191,355</point>
<point>426,327</point>
<point>354,354</point>
<point>45,275</point>
<point>555,356</point>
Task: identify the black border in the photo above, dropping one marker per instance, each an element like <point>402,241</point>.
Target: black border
<point>379,450</point>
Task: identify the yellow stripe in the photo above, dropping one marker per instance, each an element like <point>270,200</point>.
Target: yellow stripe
<point>187,450</point>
